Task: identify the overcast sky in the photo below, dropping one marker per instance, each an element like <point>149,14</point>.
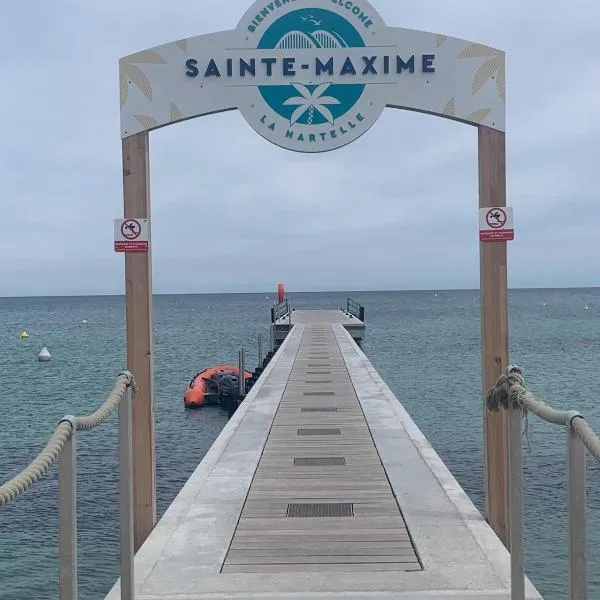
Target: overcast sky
<point>396,209</point>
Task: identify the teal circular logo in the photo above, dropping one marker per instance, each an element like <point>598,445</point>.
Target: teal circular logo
<point>307,103</point>
<point>309,78</point>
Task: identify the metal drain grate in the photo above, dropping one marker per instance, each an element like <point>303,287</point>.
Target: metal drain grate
<point>318,381</point>
<point>338,509</point>
<point>331,431</point>
<point>318,373</point>
<point>317,365</point>
<point>319,409</point>
<point>320,461</point>
<point>318,393</point>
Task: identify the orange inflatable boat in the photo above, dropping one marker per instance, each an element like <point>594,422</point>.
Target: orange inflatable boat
<point>213,386</point>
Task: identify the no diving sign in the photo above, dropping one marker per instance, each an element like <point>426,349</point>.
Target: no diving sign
<point>131,235</point>
<point>496,224</point>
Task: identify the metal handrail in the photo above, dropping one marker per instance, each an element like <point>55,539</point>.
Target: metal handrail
<point>281,310</point>
<point>242,373</point>
<point>510,393</point>
<point>355,308</point>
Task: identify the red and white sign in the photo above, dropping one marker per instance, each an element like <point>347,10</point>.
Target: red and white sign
<point>131,235</point>
<point>496,224</point>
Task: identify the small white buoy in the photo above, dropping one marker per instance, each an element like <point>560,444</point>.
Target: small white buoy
<point>44,355</point>
<point>586,307</point>
<point>84,322</point>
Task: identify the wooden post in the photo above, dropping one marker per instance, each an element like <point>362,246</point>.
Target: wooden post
<point>138,290</point>
<point>494,331</point>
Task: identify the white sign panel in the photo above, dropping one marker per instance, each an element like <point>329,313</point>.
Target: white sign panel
<point>496,224</point>
<point>131,235</point>
<point>312,75</point>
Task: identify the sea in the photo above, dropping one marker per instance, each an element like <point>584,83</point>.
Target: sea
<point>426,345</point>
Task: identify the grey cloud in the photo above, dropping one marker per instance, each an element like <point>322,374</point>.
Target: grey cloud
<point>401,201</point>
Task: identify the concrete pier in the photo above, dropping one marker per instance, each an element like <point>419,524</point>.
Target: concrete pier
<point>322,486</point>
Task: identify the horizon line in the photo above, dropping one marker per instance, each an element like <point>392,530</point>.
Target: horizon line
<point>274,292</point>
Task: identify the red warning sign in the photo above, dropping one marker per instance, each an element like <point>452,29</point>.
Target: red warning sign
<point>496,224</point>
<point>131,235</point>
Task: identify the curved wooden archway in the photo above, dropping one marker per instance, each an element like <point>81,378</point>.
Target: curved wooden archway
<point>433,73</point>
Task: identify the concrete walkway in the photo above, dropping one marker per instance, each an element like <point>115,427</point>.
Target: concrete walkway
<point>245,524</point>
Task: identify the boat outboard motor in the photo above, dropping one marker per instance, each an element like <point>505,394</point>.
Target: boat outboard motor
<point>229,390</point>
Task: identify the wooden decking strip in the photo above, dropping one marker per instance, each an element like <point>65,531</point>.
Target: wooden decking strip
<point>347,474</point>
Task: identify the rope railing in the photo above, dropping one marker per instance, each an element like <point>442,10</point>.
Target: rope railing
<point>510,394</point>
<point>510,390</point>
<point>42,463</point>
<point>61,447</point>
<point>38,466</point>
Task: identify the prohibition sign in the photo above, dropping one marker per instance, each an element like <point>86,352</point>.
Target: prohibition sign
<point>131,229</point>
<point>496,218</point>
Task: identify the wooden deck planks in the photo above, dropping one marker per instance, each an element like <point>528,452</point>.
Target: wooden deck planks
<point>375,537</point>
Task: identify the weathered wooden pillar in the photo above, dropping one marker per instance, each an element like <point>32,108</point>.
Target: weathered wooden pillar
<point>494,330</point>
<point>138,290</point>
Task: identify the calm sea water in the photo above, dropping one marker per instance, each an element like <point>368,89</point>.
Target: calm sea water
<point>426,347</point>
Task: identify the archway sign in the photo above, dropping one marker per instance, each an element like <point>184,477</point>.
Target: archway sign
<point>313,76</point>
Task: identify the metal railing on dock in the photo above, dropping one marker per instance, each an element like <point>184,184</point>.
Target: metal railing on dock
<point>355,309</point>
<point>244,386</point>
<point>281,322</point>
<point>62,447</point>
<point>281,310</point>
<point>510,394</point>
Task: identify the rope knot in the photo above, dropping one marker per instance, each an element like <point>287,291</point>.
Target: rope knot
<point>508,391</point>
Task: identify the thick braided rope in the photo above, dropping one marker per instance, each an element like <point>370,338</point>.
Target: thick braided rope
<point>588,437</point>
<point>107,409</point>
<point>38,466</point>
<point>510,391</point>
<point>48,456</point>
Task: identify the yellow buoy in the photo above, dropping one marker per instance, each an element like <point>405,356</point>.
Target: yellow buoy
<point>24,335</point>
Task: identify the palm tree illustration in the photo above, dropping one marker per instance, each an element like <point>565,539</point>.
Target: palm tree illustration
<point>309,102</point>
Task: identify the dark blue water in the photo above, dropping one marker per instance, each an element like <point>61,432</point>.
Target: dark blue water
<point>426,347</point>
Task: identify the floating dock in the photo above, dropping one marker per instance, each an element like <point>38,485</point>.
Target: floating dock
<point>321,486</point>
<point>350,322</point>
